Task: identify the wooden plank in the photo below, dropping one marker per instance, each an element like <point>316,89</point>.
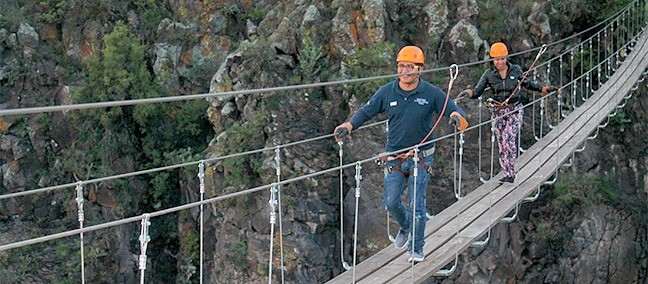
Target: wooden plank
<point>390,253</point>
<point>445,234</point>
<point>438,238</point>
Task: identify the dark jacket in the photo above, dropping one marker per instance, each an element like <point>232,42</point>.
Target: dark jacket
<point>501,89</point>
<point>410,113</point>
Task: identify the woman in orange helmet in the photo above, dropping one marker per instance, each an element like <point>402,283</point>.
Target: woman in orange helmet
<point>505,104</point>
<point>410,103</point>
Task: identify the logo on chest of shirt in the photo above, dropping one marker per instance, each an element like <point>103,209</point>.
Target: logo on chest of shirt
<point>421,101</point>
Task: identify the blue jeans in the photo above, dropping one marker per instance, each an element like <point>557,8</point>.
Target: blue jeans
<point>393,190</point>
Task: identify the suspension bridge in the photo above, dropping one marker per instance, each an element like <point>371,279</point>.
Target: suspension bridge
<point>616,53</point>
<point>464,222</point>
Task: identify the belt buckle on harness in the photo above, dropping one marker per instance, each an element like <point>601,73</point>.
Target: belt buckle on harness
<point>428,152</point>
<point>382,159</point>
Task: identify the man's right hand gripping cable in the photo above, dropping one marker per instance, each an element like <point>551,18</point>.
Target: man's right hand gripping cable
<point>342,130</point>
<point>458,121</point>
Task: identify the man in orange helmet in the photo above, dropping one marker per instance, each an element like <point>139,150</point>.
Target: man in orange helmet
<point>410,103</point>
<point>504,103</point>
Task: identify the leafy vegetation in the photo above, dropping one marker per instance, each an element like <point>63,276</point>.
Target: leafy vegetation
<point>189,249</point>
<point>371,61</point>
<point>11,15</point>
<point>241,138</point>
<point>602,9</point>
<point>572,190</point>
<point>55,10</point>
<point>493,21</point>
<point>151,15</point>
<point>238,251</point>
<point>311,61</point>
<point>145,132</point>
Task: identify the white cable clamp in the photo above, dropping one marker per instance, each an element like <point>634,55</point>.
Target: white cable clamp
<point>144,239</point>
<point>201,175</point>
<point>79,201</point>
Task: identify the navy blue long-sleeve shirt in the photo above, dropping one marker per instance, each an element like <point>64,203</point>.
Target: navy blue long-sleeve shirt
<point>410,113</point>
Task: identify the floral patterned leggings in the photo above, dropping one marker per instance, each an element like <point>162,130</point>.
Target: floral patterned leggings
<point>506,130</point>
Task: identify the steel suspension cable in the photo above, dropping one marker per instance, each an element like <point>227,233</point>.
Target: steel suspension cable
<point>341,179</point>
<point>232,93</point>
<point>261,91</point>
<point>358,178</point>
<point>201,180</point>
<point>279,189</point>
<point>479,143</point>
<point>81,218</point>
<point>273,219</point>
<point>412,203</point>
<point>171,210</point>
<point>144,239</point>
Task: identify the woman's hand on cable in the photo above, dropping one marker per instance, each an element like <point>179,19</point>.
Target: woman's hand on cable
<point>549,89</point>
<point>464,94</point>
<point>342,130</point>
<point>458,121</point>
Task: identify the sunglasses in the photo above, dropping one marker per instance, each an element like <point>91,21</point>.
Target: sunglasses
<point>406,67</point>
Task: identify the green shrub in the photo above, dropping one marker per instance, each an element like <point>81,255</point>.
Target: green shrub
<point>12,15</point>
<point>241,138</point>
<point>493,21</point>
<point>311,61</point>
<point>150,17</point>
<point>370,61</point>
<point>147,132</point>
<point>238,251</point>
<point>572,190</point>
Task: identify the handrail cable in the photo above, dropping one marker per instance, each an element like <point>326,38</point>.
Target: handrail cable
<point>34,110</point>
<point>152,100</point>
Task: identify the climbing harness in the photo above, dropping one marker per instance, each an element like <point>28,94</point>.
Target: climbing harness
<point>453,76</point>
<point>383,159</point>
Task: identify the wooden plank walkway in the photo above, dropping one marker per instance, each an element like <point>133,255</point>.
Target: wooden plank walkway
<point>464,222</point>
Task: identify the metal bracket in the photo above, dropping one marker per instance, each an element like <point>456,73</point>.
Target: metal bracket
<point>510,219</point>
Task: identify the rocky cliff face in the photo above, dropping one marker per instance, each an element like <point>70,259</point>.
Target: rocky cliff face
<point>199,47</point>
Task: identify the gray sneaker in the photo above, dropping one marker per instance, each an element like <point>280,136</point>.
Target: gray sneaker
<point>401,239</point>
<point>416,256</point>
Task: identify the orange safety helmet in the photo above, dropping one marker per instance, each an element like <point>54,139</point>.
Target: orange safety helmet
<point>412,54</point>
<point>498,49</point>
